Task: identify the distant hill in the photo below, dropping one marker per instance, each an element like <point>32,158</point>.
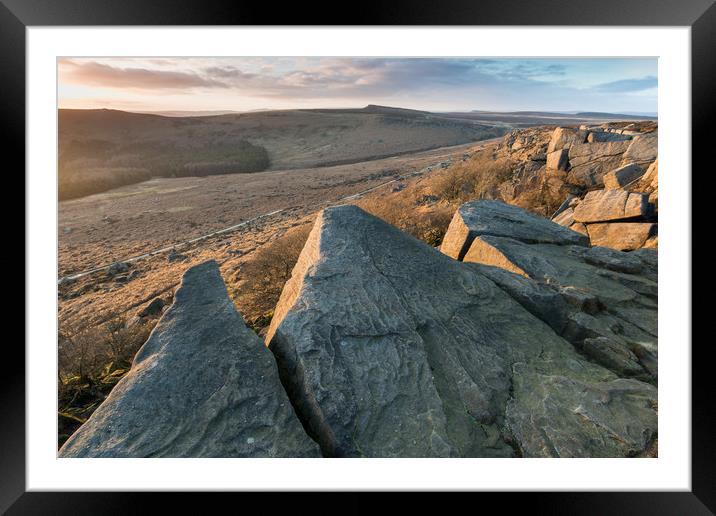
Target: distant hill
<point>616,116</point>
<point>105,148</point>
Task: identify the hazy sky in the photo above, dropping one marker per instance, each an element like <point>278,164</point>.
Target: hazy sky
<point>439,84</point>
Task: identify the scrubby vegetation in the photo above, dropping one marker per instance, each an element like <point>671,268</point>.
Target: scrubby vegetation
<point>90,363</point>
<point>403,211</point>
<point>424,210</point>
<point>261,279</point>
<point>78,182</point>
<point>93,166</point>
<point>476,178</point>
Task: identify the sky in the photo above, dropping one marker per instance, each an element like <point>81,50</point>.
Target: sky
<point>623,85</point>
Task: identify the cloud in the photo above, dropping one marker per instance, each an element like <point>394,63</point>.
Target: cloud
<point>448,83</point>
<point>628,85</point>
<point>91,73</point>
<point>520,70</point>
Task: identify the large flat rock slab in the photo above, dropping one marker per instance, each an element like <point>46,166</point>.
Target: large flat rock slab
<point>604,136</point>
<point>589,162</point>
<point>565,137</point>
<point>496,218</point>
<point>623,176</point>
<point>558,160</point>
<point>389,348</point>
<point>643,149</point>
<point>203,385</point>
<point>609,205</point>
<point>623,236</point>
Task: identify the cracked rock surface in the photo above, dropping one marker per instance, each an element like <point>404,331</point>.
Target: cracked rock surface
<point>502,220</point>
<point>203,385</point>
<point>389,348</point>
<point>609,297</point>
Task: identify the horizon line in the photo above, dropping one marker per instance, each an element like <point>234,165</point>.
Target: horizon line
<point>474,110</point>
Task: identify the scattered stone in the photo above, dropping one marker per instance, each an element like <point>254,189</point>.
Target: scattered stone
<point>426,200</point>
<point>154,308</point>
<point>117,268</point>
<point>173,256</point>
<point>624,236</point>
<point>203,385</point>
<point>607,205</point>
<point>65,282</point>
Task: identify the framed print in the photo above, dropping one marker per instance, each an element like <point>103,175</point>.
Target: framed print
<point>417,250</point>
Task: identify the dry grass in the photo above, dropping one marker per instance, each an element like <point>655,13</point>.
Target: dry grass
<point>540,200</point>
<point>403,210</point>
<point>475,178</point>
<point>262,277</point>
<point>91,362</point>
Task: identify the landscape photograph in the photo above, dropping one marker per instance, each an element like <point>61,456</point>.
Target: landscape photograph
<point>357,257</point>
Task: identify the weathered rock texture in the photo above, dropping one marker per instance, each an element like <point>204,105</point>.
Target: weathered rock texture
<point>623,216</point>
<point>558,160</point>
<point>622,176</point>
<point>588,162</point>
<point>603,136</point>
<point>389,348</point>
<point>551,164</point>
<point>606,205</point>
<point>203,385</point>
<point>612,295</point>
<point>565,137</point>
<point>643,149</point>
<point>501,220</point>
<point>624,236</point>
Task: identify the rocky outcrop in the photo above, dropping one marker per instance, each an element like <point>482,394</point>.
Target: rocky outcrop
<point>606,205</point>
<point>588,162</point>
<point>624,236</point>
<point>643,149</point>
<point>623,176</point>
<point>501,220</point>
<point>565,137</point>
<point>611,295</point>
<point>648,183</point>
<point>604,136</point>
<point>623,216</point>
<point>389,348</point>
<point>203,385</point>
<point>558,160</point>
<point>575,160</point>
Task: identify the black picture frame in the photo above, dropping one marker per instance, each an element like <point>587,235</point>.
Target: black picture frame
<point>700,15</point>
